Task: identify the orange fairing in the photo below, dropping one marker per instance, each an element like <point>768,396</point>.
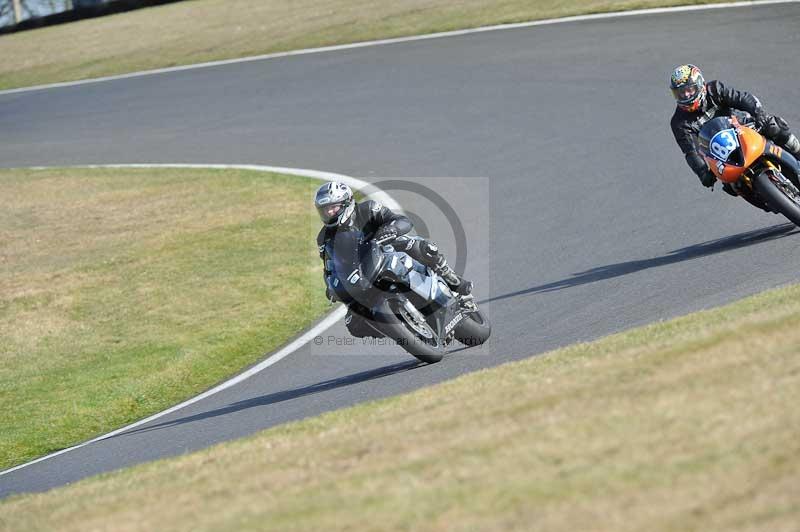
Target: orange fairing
<point>752,144</point>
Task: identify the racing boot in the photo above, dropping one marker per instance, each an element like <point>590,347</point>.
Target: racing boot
<point>792,145</point>
<point>456,283</point>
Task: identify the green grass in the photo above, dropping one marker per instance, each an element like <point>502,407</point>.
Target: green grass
<point>205,30</point>
<point>123,292</point>
<point>685,425</point>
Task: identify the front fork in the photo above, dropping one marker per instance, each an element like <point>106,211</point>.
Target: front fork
<point>745,183</point>
<point>744,187</point>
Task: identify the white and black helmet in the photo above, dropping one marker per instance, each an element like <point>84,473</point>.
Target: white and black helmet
<point>334,203</point>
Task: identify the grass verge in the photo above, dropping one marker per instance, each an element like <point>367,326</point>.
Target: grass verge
<point>123,292</point>
<point>690,424</point>
<point>206,30</point>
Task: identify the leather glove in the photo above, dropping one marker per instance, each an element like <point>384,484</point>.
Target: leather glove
<point>386,233</point>
<point>761,117</point>
<point>768,126</point>
<point>708,179</point>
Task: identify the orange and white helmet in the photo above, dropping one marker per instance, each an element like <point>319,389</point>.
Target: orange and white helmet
<point>688,87</point>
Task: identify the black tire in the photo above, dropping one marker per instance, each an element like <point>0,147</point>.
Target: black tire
<point>474,329</point>
<point>429,350</point>
<point>777,199</point>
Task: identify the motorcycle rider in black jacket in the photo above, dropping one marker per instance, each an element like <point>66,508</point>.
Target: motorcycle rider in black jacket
<point>339,211</point>
<point>698,102</point>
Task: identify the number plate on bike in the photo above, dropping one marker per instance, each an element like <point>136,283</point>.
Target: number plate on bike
<point>723,144</point>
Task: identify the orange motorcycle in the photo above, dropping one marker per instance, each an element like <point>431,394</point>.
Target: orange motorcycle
<point>756,168</point>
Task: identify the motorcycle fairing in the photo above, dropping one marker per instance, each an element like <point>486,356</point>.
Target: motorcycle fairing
<point>356,266</point>
<point>347,260</point>
<point>782,158</point>
<point>429,293</point>
<point>724,147</point>
<point>372,263</point>
<point>729,148</point>
<point>753,144</point>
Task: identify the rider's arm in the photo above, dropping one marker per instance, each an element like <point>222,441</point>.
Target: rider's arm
<point>730,97</point>
<point>325,271</point>
<point>380,215</point>
<point>687,141</point>
<point>321,245</point>
<point>697,164</point>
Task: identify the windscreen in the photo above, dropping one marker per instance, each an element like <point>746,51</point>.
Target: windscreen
<point>347,254</point>
<point>720,141</point>
<point>343,250</point>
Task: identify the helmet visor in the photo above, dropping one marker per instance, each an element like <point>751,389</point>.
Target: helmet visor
<point>328,213</point>
<point>686,93</point>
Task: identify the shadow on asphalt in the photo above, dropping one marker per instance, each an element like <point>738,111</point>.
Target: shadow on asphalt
<point>286,395</point>
<point>601,273</point>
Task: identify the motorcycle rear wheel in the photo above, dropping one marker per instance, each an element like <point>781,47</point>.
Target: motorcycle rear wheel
<point>786,202</point>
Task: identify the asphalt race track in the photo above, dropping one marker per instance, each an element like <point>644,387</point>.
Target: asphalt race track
<point>582,217</point>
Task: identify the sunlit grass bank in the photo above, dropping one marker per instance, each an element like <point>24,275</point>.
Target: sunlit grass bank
<point>123,292</point>
<point>690,424</point>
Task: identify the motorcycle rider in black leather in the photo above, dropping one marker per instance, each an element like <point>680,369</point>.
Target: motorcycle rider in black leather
<point>339,211</point>
<point>698,102</point>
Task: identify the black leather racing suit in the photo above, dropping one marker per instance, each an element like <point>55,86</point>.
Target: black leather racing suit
<point>721,101</point>
<point>370,218</point>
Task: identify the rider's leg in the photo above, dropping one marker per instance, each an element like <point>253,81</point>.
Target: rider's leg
<point>792,145</point>
<point>786,138</point>
<point>428,253</point>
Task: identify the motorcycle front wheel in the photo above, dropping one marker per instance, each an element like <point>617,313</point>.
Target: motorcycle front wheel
<point>412,334</point>
<point>782,197</point>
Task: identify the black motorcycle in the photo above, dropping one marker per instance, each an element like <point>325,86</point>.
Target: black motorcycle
<point>402,299</point>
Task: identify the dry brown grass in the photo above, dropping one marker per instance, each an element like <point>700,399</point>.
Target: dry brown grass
<point>204,30</point>
<point>685,425</point>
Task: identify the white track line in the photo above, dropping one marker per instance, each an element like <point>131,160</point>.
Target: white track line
<point>331,319</point>
<point>598,16</point>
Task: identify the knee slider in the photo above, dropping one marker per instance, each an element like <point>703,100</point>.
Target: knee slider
<point>430,250</point>
<point>792,144</point>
